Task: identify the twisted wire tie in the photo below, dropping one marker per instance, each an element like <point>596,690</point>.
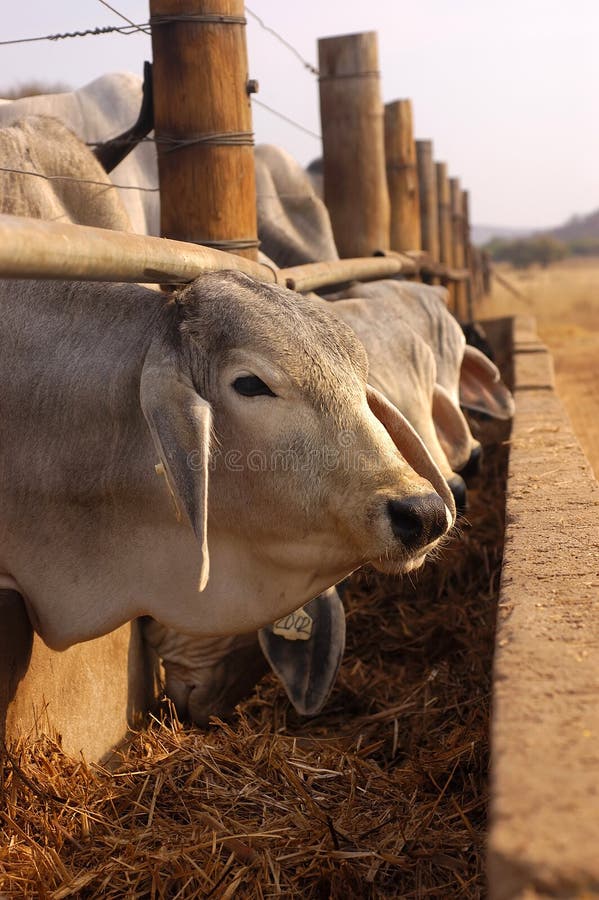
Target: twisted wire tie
<point>206,18</point>
<point>226,244</point>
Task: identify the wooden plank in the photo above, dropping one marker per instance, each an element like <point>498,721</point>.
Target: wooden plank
<point>89,694</point>
<point>353,143</point>
<point>203,124</point>
<point>402,176</point>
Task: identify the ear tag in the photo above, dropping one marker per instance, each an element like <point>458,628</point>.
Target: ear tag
<point>297,626</point>
<point>161,471</point>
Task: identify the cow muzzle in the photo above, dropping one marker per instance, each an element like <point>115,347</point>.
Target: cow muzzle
<point>418,521</point>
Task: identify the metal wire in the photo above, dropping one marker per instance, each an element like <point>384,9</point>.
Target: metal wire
<point>123,187</point>
<point>285,118</point>
<point>307,65</point>
<point>108,29</point>
<point>207,18</point>
<point>230,139</point>
<point>225,244</point>
<point>121,16</point>
<point>369,73</point>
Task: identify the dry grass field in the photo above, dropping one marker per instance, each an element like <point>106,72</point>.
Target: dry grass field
<point>565,301</point>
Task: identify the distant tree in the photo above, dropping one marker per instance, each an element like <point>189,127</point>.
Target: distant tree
<point>548,249</point>
<point>525,252</point>
<point>584,247</point>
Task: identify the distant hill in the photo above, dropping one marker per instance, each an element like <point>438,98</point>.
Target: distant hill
<point>578,228</point>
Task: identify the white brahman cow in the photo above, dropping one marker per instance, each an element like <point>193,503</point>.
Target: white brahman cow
<point>47,173</point>
<point>142,434</point>
<point>96,112</point>
<point>465,377</point>
<point>207,677</point>
<point>274,452</point>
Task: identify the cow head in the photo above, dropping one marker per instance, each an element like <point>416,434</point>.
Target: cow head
<point>288,466</point>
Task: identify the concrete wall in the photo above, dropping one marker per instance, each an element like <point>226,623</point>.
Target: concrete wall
<point>88,694</point>
<point>544,828</point>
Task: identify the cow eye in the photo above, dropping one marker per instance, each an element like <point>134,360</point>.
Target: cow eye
<point>252,386</point>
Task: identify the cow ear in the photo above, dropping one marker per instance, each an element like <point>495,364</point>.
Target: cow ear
<point>305,650</point>
<point>481,387</point>
<point>452,428</point>
<point>179,421</point>
<point>409,445</point>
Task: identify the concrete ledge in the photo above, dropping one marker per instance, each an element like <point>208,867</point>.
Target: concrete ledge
<point>544,829</point>
<point>88,694</point>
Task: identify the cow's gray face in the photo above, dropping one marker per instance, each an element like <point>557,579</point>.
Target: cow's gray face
<point>299,455</point>
<point>309,473</point>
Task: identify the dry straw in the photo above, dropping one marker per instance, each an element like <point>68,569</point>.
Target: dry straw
<point>383,795</point>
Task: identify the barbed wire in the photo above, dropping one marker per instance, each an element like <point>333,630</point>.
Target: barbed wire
<point>285,118</point>
<point>133,28</point>
<point>307,65</point>
<point>107,29</point>
<point>144,28</point>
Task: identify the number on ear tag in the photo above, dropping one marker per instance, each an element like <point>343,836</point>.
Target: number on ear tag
<point>297,626</point>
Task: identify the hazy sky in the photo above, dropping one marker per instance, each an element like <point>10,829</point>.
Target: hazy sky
<point>507,89</point>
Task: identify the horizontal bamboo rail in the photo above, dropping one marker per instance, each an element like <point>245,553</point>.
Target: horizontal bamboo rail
<point>32,248</point>
<point>322,274</point>
<point>419,262</point>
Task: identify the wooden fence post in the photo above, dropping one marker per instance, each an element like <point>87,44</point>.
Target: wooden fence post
<point>353,143</point>
<point>444,214</point>
<point>203,124</point>
<point>444,219</point>
<point>468,259</point>
<point>476,269</point>
<point>487,272</point>
<point>457,233</point>
<point>429,221</point>
<point>402,176</point>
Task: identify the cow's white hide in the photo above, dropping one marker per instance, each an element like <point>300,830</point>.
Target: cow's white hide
<point>96,112</point>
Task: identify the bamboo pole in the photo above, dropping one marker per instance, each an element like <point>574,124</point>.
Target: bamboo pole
<point>32,248</point>
<point>457,231</point>
<point>402,176</point>
<point>351,112</point>
<point>318,275</point>
<point>429,223</point>
<point>203,123</point>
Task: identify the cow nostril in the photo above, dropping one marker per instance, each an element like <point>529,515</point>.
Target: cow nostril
<point>457,486</point>
<point>472,467</point>
<point>418,520</point>
<point>406,523</point>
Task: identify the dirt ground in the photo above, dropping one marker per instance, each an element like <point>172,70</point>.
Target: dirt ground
<point>565,301</point>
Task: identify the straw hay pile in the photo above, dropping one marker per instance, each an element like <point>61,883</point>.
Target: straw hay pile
<point>384,795</point>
